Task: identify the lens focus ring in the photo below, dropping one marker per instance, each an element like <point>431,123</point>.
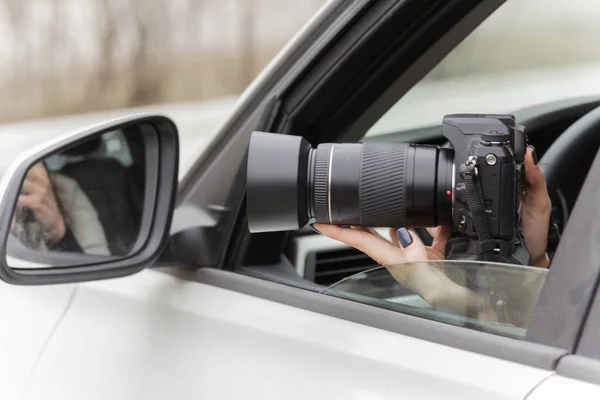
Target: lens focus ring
<point>321,183</point>
<point>382,184</point>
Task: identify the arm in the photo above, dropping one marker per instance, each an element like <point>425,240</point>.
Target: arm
<point>38,199</point>
<point>83,224</point>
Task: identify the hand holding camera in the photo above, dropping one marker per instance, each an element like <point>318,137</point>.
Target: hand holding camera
<point>405,246</point>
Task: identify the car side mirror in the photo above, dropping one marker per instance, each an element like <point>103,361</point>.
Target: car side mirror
<point>94,205</point>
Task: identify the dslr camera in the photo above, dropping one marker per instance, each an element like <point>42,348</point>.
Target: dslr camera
<point>473,183</point>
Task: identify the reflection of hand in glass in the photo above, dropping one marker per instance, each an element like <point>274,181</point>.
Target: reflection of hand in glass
<point>402,257</point>
<point>38,196</point>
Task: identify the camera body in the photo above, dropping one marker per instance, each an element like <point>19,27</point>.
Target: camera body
<point>488,176</point>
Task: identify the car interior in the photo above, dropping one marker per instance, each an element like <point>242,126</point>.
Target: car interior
<point>320,262</point>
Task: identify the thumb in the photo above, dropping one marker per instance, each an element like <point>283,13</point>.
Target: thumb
<point>534,175</point>
<point>412,246</point>
<point>536,192</point>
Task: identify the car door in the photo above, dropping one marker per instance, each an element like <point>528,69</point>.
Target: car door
<point>202,326</point>
<point>30,316</point>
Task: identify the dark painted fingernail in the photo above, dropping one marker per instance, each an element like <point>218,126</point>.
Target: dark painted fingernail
<point>345,226</point>
<point>534,155</point>
<point>404,237</point>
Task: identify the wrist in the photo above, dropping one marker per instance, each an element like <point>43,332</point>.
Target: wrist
<point>542,261</point>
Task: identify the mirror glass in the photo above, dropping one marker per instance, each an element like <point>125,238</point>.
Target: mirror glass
<point>86,202</point>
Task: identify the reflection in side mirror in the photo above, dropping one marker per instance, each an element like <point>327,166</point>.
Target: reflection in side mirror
<point>92,201</point>
<point>88,199</point>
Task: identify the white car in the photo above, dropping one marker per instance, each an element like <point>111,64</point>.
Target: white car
<point>174,298</point>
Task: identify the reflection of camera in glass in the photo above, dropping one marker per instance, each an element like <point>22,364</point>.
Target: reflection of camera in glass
<point>474,184</point>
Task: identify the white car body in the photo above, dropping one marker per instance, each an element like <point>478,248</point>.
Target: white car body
<point>156,336</point>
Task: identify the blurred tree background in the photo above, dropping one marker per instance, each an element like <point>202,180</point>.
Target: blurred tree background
<point>71,56</point>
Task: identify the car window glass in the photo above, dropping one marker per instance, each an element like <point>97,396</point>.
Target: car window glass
<point>490,297</point>
<point>527,52</point>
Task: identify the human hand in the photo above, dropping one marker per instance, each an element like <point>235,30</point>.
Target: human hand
<point>393,251</point>
<point>535,211</point>
<point>37,195</point>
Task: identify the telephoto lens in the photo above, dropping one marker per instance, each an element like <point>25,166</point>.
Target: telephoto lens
<point>290,183</point>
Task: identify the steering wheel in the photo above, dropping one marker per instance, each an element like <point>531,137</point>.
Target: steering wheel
<point>564,153</point>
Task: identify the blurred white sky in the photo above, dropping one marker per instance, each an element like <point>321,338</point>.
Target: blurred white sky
<point>221,23</point>
<point>219,26</point>
<point>537,16</point>
<point>541,9</point>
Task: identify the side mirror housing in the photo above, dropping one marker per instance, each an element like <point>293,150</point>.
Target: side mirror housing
<point>93,205</point>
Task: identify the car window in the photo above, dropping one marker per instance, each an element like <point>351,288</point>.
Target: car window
<point>490,297</point>
<point>527,52</point>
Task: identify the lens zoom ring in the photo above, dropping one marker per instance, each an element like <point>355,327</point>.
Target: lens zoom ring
<point>321,183</point>
<point>382,185</point>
